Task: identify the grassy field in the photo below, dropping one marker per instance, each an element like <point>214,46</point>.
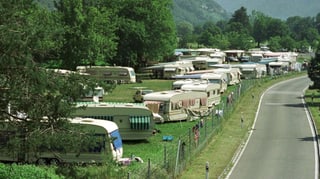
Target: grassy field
<point>125,92</point>
<point>312,97</point>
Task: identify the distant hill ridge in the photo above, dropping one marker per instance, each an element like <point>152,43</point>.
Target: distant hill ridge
<point>281,9</point>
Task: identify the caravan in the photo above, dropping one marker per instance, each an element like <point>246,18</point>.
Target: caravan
<point>169,69</point>
<point>110,74</point>
<point>220,79</point>
<point>177,105</point>
<point>135,120</point>
<point>212,90</point>
<point>233,74</point>
<point>106,133</point>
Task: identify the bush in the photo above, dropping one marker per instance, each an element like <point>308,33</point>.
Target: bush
<point>15,171</point>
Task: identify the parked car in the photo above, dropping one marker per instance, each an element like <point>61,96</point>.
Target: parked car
<point>138,96</point>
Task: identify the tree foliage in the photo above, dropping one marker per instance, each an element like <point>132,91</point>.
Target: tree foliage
<point>89,36</point>
<point>314,70</point>
<point>146,32</point>
<point>30,92</point>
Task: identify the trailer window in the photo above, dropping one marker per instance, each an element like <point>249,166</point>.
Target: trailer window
<point>116,139</point>
<point>123,74</point>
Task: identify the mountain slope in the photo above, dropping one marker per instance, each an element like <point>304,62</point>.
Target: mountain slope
<point>198,11</point>
<point>275,8</point>
<point>193,11</point>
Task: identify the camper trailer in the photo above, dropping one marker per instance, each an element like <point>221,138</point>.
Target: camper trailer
<point>106,132</point>
<point>220,79</point>
<point>177,105</point>
<point>278,68</point>
<point>135,120</point>
<point>96,94</point>
<point>252,70</point>
<point>233,74</point>
<point>212,90</point>
<point>110,74</point>
<point>169,69</point>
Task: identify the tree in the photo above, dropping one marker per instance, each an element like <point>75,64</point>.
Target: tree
<point>89,35</point>
<point>260,27</point>
<point>206,39</point>
<point>208,34</point>
<point>240,21</point>
<point>317,22</point>
<point>184,31</point>
<point>277,27</point>
<point>29,92</point>
<point>274,43</point>
<point>240,41</point>
<point>211,28</point>
<point>146,32</point>
<point>298,26</point>
<point>314,70</point>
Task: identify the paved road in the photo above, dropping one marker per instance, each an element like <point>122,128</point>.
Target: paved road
<point>282,144</point>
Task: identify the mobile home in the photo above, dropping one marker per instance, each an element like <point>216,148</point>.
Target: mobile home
<point>106,133</point>
<point>110,74</point>
<point>278,68</point>
<point>177,105</point>
<point>95,94</point>
<point>212,90</point>
<point>169,69</point>
<point>135,120</point>
<point>219,78</point>
<point>233,74</point>
<point>252,70</point>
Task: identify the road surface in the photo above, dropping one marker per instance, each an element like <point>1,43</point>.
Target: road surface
<point>282,143</point>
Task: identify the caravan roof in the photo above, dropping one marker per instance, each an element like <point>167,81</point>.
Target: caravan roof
<point>171,94</point>
<point>108,125</point>
<point>200,86</point>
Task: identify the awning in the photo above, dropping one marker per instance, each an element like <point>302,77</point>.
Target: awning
<point>140,122</point>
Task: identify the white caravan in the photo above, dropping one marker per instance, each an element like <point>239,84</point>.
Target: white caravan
<point>252,70</point>
<point>177,105</point>
<point>233,74</point>
<point>212,90</point>
<point>220,79</point>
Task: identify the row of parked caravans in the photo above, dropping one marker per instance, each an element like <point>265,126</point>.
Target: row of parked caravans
<point>207,58</point>
<point>174,105</point>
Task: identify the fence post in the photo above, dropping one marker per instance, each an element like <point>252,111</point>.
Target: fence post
<point>149,170</point>
<point>190,143</point>
<point>165,157</point>
<point>177,159</point>
<point>128,177</point>
<point>207,170</point>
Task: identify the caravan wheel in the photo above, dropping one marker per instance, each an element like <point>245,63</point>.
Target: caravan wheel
<point>42,161</point>
<point>54,161</point>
